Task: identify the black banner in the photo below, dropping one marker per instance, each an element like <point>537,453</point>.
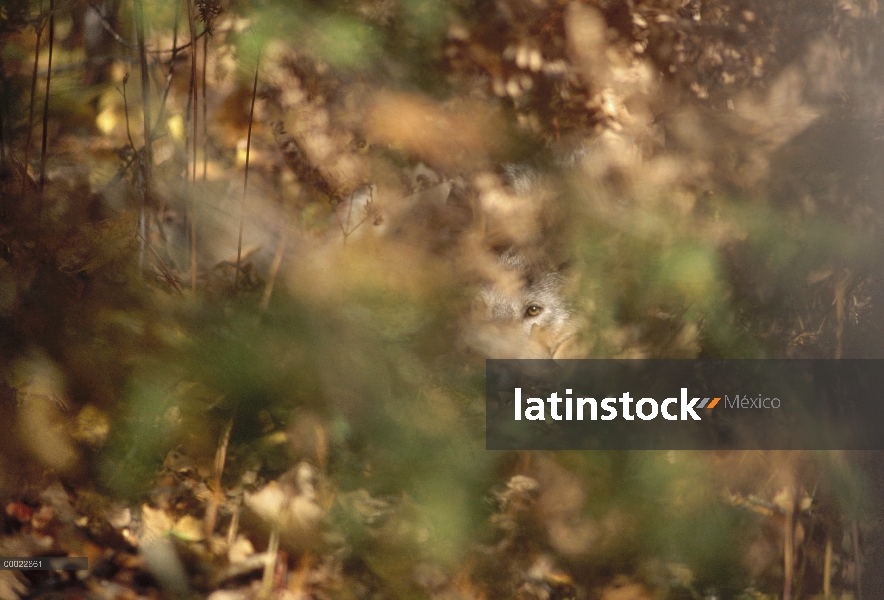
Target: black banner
<point>685,404</point>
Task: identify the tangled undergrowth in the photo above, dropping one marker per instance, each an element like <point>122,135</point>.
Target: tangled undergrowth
<point>242,246</point>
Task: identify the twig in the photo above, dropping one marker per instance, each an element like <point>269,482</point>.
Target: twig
<point>233,528</point>
<point>270,565</point>
<point>161,265</point>
<point>162,110</point>
<point>274,268</point>
<point>177,49</point>
<point>119,174</point>
<point>205,107</point>
<point>147,158</point>
<point>346,230</point>
<point>39,28</point>
<point>117,37</point>
<point>217,491</point>
<point>46,108</point>
<point>3,113</point>
<point>245,187</point>
<point>126,112</point>
<point>349,215</point>
<point>191,21</point>
<point>840,318</point>
<point>857,559</point>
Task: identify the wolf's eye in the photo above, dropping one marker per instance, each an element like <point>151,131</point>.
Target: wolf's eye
<point>533,310</point>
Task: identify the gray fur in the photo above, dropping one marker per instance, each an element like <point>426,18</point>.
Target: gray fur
<point>523,311</point>
<point>535,287</point>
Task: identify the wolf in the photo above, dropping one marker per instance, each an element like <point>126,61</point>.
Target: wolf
<point>522,308</point>
<point>522,311</point>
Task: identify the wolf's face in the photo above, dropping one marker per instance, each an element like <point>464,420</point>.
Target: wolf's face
<point>526,294</point>
<point>522,311</point>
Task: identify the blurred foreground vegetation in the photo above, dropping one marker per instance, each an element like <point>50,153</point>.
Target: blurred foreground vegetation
<point>241,245</point>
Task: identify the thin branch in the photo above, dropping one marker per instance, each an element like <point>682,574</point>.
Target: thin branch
<point>274,267</point>
<point>245,187</point>
<point>176,49</point>
<point>346,229</point>
<point>3,112</point>
<point>272,558</point>
<point>168,87</point>
<point>147,158</point>
<point>46,105</point>
<point>161,265</point>
<point>193,74</point>
<point>40,24</point>
<point>217,496</point>
<point>119,174</point>
<point>205,107</point>
<point>118,38</point>
<point>126,112</point>
<point>191,21</point>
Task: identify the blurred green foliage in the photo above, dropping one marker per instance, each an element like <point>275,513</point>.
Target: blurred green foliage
<point>361,370</point>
